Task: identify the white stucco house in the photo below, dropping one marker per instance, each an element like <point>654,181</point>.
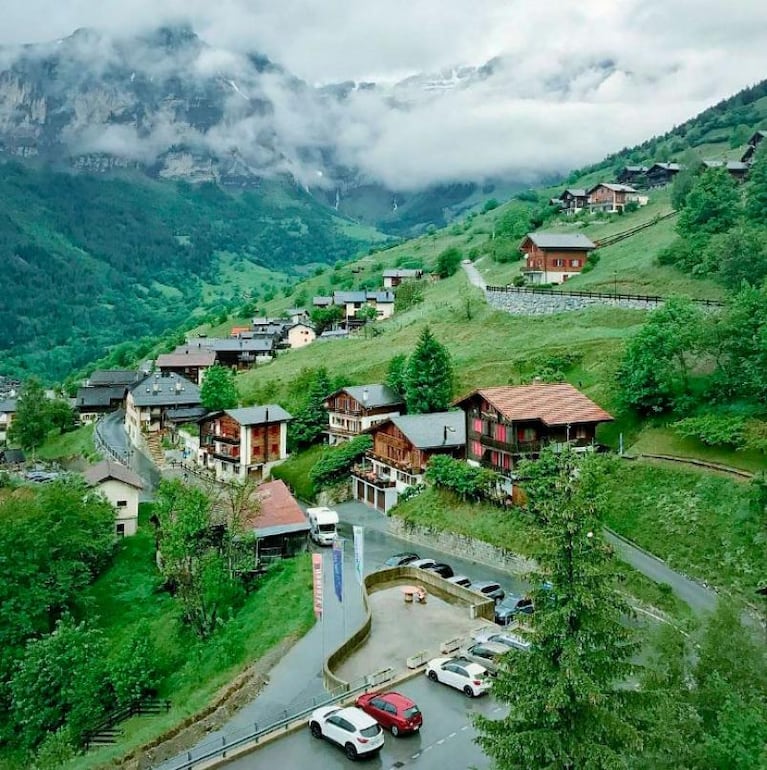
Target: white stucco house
<point>121,486</point>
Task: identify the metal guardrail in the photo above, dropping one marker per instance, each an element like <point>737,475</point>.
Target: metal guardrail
<point>118,455</point>
<point>221,747</point>
<point>649,298</point>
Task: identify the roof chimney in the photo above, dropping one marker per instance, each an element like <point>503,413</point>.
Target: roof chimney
<point>365,397</point>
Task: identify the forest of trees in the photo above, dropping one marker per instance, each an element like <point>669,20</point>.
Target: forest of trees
<point>91,262</point>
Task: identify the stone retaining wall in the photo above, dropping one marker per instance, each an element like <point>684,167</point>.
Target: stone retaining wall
<point>461,545</point>
<point>547,304</point>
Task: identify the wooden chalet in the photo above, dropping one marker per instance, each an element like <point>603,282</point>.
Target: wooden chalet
<point>555,257</point>
<point>755,140</point>
<point>402,447</point>
<point>736,169</point>
<point>104,392</point>
<point>354,409</point>
<point>661,174</point>
<point>573,199</point>
<point>632,175</point>
<point>236,443</point>
<point>504,424</point>
<point>611,197</point>
<point>393,278</point>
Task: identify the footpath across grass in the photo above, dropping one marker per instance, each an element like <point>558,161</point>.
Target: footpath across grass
<point>193,670</point>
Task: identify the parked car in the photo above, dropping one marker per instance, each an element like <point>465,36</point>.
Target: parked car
<point>489,588</point>
<point>460,580</point>
<point>422,563</point>
<point>442,569</point>
<point>511,608</point>
<point>399,559</point>
<point>356,732</point>
<point>392,710</point>
<point>487,654</point>
<point>470,678</point>
<point>509,640</point>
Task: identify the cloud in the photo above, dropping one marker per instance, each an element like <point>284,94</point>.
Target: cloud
<point>569,82</point>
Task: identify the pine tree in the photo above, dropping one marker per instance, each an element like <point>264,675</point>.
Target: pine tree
<point>312,419</point>
<point>396,373</point>
<point>218,390</point>
<point>429,376</point>
<point>569,704</point>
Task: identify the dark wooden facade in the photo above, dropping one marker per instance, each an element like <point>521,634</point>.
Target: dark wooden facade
<point>494,441</point>
<point>392,446</point>
<point>554,260</point>
<point>222,437</point>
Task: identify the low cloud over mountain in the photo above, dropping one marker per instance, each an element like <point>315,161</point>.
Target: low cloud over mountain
<point>343,94</point>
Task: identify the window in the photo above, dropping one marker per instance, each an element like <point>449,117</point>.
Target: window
<point>575,263</point>
<point>559,263</point>
<point>121,530</point>
<point>122,503</point>
<point>476,448</point>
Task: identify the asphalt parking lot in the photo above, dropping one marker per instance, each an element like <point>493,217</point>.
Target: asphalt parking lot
<point>446,739</point>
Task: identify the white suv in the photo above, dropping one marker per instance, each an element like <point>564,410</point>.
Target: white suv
<point>356,732</point>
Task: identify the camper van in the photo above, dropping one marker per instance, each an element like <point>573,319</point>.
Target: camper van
<point>322,525</point>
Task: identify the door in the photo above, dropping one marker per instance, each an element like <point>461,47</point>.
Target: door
<point>380,713</point>
<point>338,729</point>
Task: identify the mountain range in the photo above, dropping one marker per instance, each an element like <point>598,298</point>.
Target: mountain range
<point>167,104</point>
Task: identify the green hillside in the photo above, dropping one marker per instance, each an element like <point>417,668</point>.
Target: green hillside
<point>90,262</point>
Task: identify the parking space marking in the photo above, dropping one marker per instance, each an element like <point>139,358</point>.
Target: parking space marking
<point>465,727</point>
<point>452,735</point>
<point>415,756</point>
<point>440,742</point>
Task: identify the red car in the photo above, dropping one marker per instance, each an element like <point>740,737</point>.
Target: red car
<point>392,710</point>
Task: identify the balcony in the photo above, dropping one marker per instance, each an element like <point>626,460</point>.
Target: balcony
<point>514,447</point>
<point>231,457</point>
<point>336,430</point>
<point>366,473</point>
<point>225,438</point>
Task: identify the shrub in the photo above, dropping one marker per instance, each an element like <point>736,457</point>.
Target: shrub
<point>448,262</point>
<point>336,462</point>
<point>463,480</point>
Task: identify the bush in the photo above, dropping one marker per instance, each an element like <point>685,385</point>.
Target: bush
<point>336,462</point>
<point>713,429</point>
<point>463,480</point>
<point>490,204</point>
<point>631,207</point>
<point>448,262</point>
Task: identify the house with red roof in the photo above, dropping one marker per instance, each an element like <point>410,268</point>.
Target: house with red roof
<point>279,523</point>
<point>508,423</point>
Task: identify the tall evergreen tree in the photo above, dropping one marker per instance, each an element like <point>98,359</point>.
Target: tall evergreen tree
<point>569,707</point>
<point>218,390</point>
<point>312,419</point>
<point>32,421</point>
<point>396,374</point>
<point>429,376</point>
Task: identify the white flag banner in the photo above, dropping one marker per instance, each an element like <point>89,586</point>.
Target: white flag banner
<point>359,552</point>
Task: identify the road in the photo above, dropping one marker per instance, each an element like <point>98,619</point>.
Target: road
<point>113,432</point>
<point>475,277</point>
<point>446,739</point>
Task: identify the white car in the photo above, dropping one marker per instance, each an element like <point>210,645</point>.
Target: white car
<point>422,563</point>
<point>470,678</point>
<point>356,732</point>
<point>460,580</point>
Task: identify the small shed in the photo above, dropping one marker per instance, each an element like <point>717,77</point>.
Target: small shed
<point>280,525</point>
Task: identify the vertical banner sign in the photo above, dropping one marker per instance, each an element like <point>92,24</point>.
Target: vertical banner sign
<point>359,552</point>
<point>338,568</point>
<point>317,583</point>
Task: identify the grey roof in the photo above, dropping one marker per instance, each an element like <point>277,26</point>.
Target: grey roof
<point>258,415</point>
<point>330,334</point>
<point>109,469</point>
<point>381,297</point>
<point>186,357</point>
<point>427,431</point>
<point>102,396</point>
<point>666,166</point>
<point>576,192</point>
<point>402,273</point>
<point>732,165</point>
<point>167,390</point>
<point>291,311</point>
<point>186,414</point>
<point>614,186</point>
<point>8,406</point>
<point>11,456</point>
<point>342,297</point>
<point>561,241</point>
<point>113,377</point>
<point>322,301</point>
<point>635,169</point>
<point>281,529</point>
<point>230,344</point>
<point>372,395</point>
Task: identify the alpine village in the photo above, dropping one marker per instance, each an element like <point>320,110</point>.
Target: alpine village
<point>249,500</point>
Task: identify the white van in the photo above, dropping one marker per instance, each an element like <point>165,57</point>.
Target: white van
<point>322,525</point>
